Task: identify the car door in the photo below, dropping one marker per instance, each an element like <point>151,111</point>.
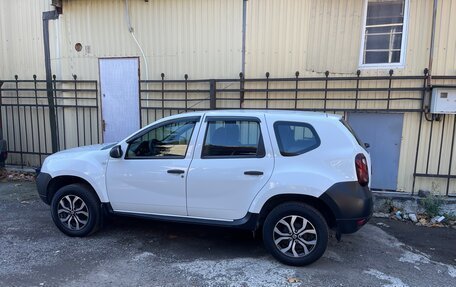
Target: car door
<point>151,176</point>
<point>232,162</point>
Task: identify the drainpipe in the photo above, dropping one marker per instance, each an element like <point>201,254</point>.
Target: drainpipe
<point>244,25</point>
<point>47,16</point>
<point>431,48</point>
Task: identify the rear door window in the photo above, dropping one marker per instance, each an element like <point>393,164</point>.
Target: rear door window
<point>295,138</point>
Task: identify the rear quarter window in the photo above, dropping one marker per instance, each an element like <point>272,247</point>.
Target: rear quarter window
<point>295,138</point>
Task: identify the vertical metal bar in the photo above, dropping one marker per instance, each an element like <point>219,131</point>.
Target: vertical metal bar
<point>37,118</point>
<point>186,91</point>
<point>441,144</point>
<point>419,129</point>
<point>142,108</point>
<point>44,126</point>
<point>163,94</point>
<point>75,86</point>
<point>212,95</point>
<point>1,118</point>
<point>326,89</point>
<point>31,127</point>
<point>389,88</point>
<point>90,125</point>
<point>19,120</point>
<point>241,90</point>
<point>24,107</point>
<point>1,113</point>
<point>84,123</point>
<point>56,105</point>
<point>98,112</point>
<point>267,90</point>
<point>296,91</point>
<point>357,89</point>
<point>62,106</point>
<point>451,155</point>
<point>429,147</point>
<point>6,117</point>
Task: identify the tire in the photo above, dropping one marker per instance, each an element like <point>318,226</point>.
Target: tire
<point>78,204</point>
<point>313,235</point>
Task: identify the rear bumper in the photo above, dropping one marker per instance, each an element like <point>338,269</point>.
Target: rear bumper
<point>351,205</point>
<point>42,182</point>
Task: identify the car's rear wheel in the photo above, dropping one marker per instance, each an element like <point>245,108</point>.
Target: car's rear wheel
<point>76,210</point>
<point>295,234</point>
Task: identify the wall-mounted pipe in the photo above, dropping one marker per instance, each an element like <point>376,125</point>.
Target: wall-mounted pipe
<point>132,33</point>
<point>431,47</point>
<point>244,31</point>
<point>47,16</point>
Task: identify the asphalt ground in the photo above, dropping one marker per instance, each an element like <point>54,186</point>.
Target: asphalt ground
<point>132,252</point>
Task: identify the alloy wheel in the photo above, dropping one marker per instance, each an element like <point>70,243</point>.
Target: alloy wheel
<point>73,212</point>
<point>295,236</point>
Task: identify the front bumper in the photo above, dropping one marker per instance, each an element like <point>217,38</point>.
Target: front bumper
<point>42,183</point>
<point>351,205</point>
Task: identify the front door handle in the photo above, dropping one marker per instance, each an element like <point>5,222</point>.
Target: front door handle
<point>176,171</point>
<point>253,172</point>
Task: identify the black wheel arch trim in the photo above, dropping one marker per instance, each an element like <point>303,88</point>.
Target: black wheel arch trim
<point>42,183</point>
<point>350,203</point>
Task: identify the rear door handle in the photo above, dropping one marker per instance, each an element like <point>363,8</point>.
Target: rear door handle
<point>253,172</point>
<point>176,171</point>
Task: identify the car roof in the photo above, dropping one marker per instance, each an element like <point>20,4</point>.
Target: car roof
<point>255,112</point>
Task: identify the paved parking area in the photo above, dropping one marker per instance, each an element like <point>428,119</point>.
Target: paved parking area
<point>131,252</point>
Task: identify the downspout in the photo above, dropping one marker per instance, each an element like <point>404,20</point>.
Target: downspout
<point>47,16</point>
<point>244,31</point>
<point>431,48</point>
<point>242,74</point>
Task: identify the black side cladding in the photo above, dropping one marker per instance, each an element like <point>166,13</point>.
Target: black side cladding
<point>42,182</point>
<point>351,203</point>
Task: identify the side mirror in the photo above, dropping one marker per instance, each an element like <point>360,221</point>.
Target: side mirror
<point>367,145</point>
<point>116,152</point>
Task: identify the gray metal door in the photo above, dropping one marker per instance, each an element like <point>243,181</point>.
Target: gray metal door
<point>119,80</point>
<point>384,133</point>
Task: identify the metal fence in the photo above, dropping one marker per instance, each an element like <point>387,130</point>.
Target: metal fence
<point>389,93</point>
<point>26,125</point>
<point>25,111</point>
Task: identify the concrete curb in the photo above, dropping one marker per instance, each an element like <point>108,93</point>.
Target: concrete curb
<point>408,203</point>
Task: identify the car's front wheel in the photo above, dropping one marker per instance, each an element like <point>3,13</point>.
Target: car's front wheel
<point>295,234</point>
<point>75,210</point>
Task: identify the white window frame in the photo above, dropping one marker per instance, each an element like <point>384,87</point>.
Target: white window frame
<point>401,64</point>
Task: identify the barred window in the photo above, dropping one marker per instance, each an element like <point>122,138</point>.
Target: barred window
<point>384,32</point>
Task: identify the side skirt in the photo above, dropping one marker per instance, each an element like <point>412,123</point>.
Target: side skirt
<point>248,222</point>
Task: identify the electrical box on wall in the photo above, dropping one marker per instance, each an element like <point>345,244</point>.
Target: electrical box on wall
<point>443,101</point>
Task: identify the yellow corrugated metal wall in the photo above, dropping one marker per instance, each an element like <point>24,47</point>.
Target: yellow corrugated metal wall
<point>21,38</point>
<point>200,37</point>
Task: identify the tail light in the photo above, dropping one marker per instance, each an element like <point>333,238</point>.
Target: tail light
<point>362,170</point>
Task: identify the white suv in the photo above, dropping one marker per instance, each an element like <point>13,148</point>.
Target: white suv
<point>291,175</point>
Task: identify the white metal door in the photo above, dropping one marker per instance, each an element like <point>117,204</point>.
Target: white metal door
<point>119,80</point>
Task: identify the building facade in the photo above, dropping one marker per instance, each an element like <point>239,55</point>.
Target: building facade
<point>135,46</point>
